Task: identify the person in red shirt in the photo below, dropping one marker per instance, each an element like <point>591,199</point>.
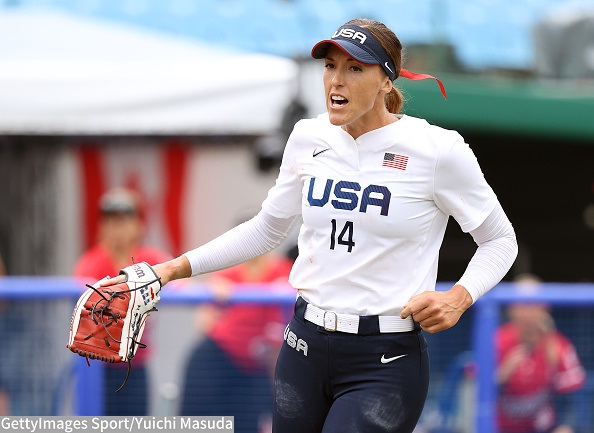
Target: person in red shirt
<point>535,362</point>
<point>120,234</point>
<point>230,370</point>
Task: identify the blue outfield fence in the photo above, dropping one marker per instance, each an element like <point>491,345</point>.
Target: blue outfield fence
<point>470,342</point>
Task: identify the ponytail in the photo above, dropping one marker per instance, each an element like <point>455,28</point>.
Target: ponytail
<point>394,100</point>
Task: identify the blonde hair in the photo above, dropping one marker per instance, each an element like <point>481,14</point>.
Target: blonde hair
<point>388,39</point>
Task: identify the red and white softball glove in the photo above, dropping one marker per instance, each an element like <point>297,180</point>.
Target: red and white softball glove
<point>108,322</point>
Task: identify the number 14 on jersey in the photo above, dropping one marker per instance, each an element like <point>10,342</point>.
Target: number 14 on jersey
<point>344,238</point>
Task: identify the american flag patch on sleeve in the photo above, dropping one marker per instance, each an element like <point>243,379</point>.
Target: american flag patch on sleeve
<point>395,161</point>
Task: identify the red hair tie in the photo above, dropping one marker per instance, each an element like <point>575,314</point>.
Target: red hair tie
<point>414,76</point>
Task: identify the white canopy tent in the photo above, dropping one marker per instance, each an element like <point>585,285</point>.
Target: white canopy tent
<point>63,74</point>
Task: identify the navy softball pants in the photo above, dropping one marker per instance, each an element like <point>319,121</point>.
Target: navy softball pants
<point>331,382</point>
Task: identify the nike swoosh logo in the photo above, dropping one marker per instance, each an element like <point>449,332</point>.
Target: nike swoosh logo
<point>386,360</point>
<point>316,152</point>
<point>388,67</point>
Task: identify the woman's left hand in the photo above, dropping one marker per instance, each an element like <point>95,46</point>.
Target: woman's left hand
<point>438,311</point>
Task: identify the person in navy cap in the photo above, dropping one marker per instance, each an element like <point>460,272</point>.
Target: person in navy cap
<point>120,240</point>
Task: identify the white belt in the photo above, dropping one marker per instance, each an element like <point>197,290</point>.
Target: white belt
<point>332,321</point>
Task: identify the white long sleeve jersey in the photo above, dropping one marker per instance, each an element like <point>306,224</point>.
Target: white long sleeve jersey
<point>374,212</point>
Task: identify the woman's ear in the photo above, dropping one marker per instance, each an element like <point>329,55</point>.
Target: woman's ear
<point>388,85</point>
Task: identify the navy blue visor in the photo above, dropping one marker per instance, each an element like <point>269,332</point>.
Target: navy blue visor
<point>362,46</point>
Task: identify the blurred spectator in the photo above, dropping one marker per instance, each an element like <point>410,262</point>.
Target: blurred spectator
<point>120,235</point>
<point>535,363</point>
<point>230,370</point>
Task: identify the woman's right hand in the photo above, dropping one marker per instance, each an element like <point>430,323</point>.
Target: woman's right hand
<point>168,271</point>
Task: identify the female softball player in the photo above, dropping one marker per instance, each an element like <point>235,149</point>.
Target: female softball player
<point>373,191</point>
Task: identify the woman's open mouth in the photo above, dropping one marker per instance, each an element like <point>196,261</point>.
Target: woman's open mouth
<point>338,101</point>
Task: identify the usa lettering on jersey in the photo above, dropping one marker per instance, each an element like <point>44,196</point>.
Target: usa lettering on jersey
<point>348,196</point>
